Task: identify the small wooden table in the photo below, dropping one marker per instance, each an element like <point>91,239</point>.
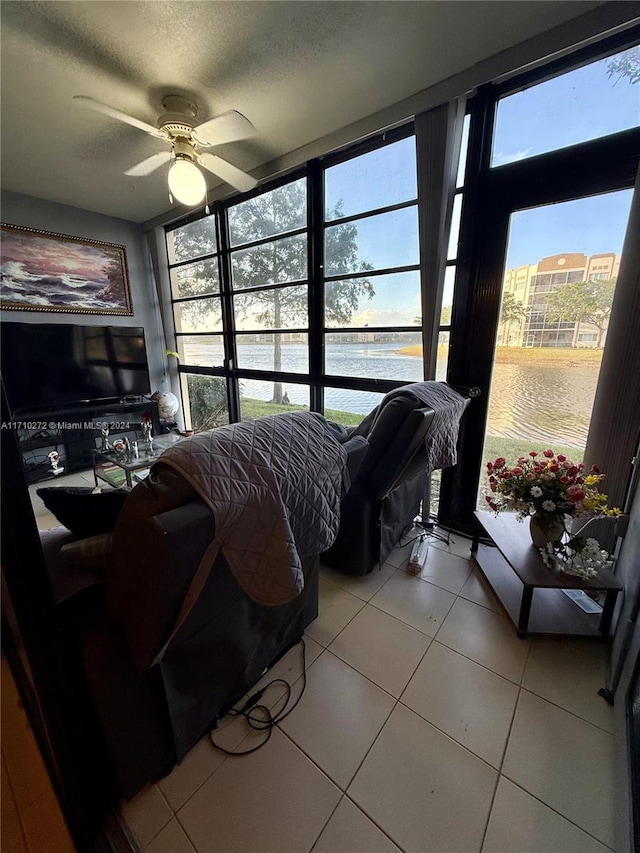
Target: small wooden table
<point>514,568</point>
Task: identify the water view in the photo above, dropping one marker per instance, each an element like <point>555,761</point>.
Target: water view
<point>544,402</point>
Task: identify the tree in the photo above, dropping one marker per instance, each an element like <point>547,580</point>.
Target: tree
<point>207,401</point>
<point>582,302</point>
<point>511,310</point>
<point>278,261</point>
<point>626,64</point>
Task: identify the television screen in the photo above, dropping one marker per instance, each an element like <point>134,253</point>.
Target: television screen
<point>50,364</point>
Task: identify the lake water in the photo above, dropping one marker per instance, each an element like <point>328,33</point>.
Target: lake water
<point>546,404</point>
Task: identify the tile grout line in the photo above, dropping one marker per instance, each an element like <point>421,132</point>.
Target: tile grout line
<point>324,826</point>
<point>555,811</point>
<point>567,711</point>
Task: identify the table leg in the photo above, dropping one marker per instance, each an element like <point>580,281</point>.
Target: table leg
<point>475,542</point>
<point>607,611</point>
<point>525,610</point>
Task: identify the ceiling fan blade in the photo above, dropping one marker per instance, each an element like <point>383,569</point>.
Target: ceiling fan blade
<point>231,174</point>
<point>227,127</point>
<point>146,167</point>
<point>105,109</point>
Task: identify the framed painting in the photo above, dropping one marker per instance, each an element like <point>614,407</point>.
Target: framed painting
<point>42,271</point>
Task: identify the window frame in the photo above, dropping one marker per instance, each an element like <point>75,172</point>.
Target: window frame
<point>316,378</point>
<point>588,168</point>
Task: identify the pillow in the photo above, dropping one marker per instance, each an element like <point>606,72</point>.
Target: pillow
<point>82,510</point>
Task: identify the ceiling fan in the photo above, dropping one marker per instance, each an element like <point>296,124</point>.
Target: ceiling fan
<point>176,125</point>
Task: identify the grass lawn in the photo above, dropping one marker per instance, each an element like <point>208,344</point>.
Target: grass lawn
<point>528,355</point>
<point>257,408</point>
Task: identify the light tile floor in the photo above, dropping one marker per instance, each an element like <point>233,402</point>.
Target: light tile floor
<point>426,725</point>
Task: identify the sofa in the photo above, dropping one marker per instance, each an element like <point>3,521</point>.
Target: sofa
<point>156,678</point>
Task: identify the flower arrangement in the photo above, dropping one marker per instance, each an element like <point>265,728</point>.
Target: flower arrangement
<point>553,488</point>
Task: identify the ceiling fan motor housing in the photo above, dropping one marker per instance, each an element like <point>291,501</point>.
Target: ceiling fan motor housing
<point>179,116</point>
<point>183,149</point>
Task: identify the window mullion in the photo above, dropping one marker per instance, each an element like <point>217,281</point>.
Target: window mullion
<point>315,210</point>
<point>228,323</point>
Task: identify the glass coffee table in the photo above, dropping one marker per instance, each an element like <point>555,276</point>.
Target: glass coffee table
<point>123,475</point>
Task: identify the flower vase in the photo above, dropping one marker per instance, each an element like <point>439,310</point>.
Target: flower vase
<point>543,532</point>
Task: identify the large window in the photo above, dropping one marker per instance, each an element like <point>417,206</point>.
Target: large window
<point>371,263</point>
<point>245,313</point>
<point>307,292</point>
<point>249,325</point>
<point>598,99</point>
<point>269,282</point>
<point>552,162</point>
<point>194,270</point>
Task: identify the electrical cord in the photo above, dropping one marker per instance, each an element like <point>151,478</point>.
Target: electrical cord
<point>267,720</point>
<point>430,526</point>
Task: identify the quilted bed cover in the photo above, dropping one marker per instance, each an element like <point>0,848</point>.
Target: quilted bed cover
<point>274,486</point>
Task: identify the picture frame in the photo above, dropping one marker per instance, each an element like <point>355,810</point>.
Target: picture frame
<point>44,271</point>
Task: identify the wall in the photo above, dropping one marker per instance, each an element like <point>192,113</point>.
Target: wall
<point>17,209</point>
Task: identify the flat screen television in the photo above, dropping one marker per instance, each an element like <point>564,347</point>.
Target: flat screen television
<point>46,365</point>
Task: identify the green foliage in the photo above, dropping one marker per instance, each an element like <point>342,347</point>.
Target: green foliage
<point>257,408</point>
<point>207,401</point>
<point>285,260</point>
<point>511,310</point>
<point>193,240</point>
<point>278,261</point>
<point>582,302</point>
<point>626,64</point>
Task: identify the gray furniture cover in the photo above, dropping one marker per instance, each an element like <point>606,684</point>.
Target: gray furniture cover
<point>150,708</point>
<point>412,432</point>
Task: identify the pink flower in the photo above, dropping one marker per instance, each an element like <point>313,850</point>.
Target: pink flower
<point>573,470</point>
<point>561,458</point>
<point>595,469</point>
<point>517,471</point>
<point>489,466</point>
<point>564,479</point>
<point>548,454</point>
<point>530,476</point>
<point>554,468</point>
<point>491,503</point>
<point>499,462</point>
<point>533,453</point>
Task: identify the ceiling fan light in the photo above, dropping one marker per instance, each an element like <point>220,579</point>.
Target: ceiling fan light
<point>187,182</point>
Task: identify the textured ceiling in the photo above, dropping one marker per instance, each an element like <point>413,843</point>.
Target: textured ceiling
<point>297,70</point>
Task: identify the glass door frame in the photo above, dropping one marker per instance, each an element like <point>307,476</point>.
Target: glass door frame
<point>493,194</point>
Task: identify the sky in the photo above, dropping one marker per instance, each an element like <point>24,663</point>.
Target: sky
<point>588,225</point>
<point>581,105</point>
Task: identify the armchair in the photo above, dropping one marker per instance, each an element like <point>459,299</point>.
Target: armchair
<point>411,433</point>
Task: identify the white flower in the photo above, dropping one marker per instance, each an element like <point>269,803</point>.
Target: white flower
<point>577,557</point>
<point>548,506</point>
<point>536,491</point>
